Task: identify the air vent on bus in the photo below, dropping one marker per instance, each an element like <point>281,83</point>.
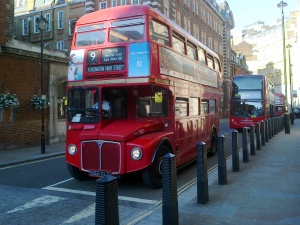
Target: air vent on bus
<point>103,77</point>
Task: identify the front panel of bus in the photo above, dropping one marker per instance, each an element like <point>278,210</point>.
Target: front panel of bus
<point>248,103</point>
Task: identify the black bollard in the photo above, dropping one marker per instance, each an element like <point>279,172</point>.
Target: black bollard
<point>252,141</point>
<point>263,133</point>
<point>257,132</point>
<point>202,180</point>
<point>287,123</point>
<point>273,126</point>
<point>169,190</point>
<point>235,152</point>
<point>107,209</point>
<point>222,166</point>
<point>267,130</point>
<point>270,128</point>
<point>245,145</point>
<point>292,118</point>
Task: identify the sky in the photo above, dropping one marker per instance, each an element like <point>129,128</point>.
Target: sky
<point>246,12</point>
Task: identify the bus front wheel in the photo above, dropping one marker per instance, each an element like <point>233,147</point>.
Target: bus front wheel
<point>152,175</point>
<point>77,174</point>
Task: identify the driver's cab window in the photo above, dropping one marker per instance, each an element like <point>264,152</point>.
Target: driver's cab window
<point>113,103</point>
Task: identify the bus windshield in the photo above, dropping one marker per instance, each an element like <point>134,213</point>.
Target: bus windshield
<point>83,105</point>
<point>247,108</point>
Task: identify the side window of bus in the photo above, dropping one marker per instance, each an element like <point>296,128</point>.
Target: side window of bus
<point>191,51</point>
<point>178,44</point>
<point>204,107</point>
<point>210,62</point>
<point>127,30</point>
<point>212,106</point>
<point>181,106</point>
<point>194,106</point>
<point>217,65</point>
<point>159,33</point>
<point>201,56</point>
<point>146,106</point>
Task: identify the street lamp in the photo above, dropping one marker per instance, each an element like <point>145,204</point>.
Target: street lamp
<point>291,83</point>
<point>41,21</point>
<point>281,5</point>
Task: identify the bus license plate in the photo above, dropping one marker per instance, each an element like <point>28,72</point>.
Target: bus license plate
<point>99,173</point>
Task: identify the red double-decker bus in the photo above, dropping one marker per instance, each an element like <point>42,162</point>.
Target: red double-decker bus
<point>280,109</point>
<point>139,87</point>
<point>252,100</point>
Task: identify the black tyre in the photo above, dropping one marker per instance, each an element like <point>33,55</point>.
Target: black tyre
<point>214,144</point>
<point>152,175</point>
<point>77,174</point>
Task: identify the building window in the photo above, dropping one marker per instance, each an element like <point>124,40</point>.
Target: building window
<point>185,23</point>
<point>103,5</point>
<point>134,2</point>
<point>60,19</point>
<point>72,26</point>
<point>114,3</point>
<point>178,17</point>
<point>20,3</point>
<point>25,27</point>
<point>166,7</point>
<point>123,2</point>
<point>36,25</point>
<point>47,45</point>
<point>60,45</point>
<point>47,16</point>
<point>15,28</point>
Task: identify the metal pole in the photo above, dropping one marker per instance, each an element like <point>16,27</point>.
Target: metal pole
<point>291,84</point>
<point>282,5</point>
<point>42,90</point>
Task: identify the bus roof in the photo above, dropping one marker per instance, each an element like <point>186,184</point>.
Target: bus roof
<point>128,11</point>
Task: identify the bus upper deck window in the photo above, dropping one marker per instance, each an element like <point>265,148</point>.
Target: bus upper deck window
<point>90,35</point>
<point>159,33</point>
<point>127,30</point>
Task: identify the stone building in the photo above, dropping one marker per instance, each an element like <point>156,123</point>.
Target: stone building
<point>20,75</point>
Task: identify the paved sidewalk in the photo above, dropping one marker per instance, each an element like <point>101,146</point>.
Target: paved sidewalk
<point>266,190</point>
<point>17,156</point>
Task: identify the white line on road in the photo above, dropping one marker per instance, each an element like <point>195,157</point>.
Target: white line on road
<point>88,211</point>
<point>124,198</point>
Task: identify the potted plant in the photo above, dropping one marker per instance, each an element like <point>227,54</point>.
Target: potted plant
<point>37,102</point>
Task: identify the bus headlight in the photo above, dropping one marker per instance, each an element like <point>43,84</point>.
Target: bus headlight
<point>72,149</point>
<point>136,153</point>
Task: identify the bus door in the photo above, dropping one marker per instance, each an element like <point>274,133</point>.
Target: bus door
<point>182,129</point>
<point>194,125</point>
<point>205,121</point>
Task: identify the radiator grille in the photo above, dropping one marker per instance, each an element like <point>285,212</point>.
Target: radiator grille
<point>101,155</point>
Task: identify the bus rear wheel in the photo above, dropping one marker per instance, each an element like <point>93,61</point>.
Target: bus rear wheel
<point>152,175</point>
<point>77,174</point>
<point>214,144</point>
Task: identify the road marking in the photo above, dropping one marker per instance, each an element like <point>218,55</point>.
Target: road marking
<point>124,198</point>
<point>44,200</point>
<point>88,211</point>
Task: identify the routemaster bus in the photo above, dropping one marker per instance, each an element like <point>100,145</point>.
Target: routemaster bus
<point>139,87</point>
<point>280,109</point>
<point>252,100</point>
